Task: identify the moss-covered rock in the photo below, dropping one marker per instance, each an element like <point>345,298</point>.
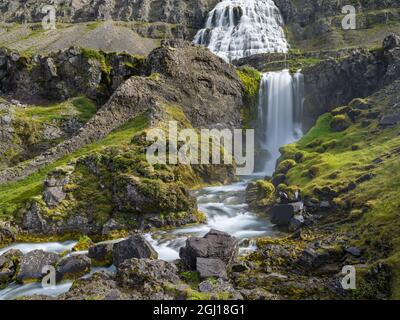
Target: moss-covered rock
<point>340,123</point>
<point>260,194</point>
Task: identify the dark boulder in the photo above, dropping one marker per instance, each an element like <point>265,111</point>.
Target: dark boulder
<point>211,268</point>
<point>102,253</point>
<point>282,214</point>
<point>73,267</point>
<point>356,252</point>
<point>32,264</point>
<point>215,244</point>
<point>134,247</point>
<point>296,223</point>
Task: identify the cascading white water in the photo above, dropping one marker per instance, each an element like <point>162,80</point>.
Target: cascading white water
<point>241,28</point>
<point>280,112</point>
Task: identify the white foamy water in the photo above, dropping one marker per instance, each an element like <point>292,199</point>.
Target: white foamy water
<point>226,210</point>
<point>56,247</point>
<point>241,28</point>
<point>280,112</point>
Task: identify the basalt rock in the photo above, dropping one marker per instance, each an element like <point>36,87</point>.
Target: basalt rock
<point>211,268</point>
<point>134,247</point>
<point>214,245</point>
<point>282,214</point>
<point>73,267</point>
<point>32,264</point>
<point>102,253</point>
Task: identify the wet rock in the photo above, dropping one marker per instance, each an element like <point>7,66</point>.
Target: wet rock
<point>73,267</point>
<point>134,247</point>
<point>282,214</point>
<point>215,244</point>
<point>145,275</point>
<point>9,262</point>
<point>211,268</point>
<point>32,265</point>
<point>315,257</point>
<point>102,253</point>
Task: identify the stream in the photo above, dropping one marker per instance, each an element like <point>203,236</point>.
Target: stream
<point>224,207</point>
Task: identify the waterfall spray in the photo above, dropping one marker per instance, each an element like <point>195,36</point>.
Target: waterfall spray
<point>280,112</point>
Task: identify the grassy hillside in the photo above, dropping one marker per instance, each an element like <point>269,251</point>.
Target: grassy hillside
<point>356,170</point>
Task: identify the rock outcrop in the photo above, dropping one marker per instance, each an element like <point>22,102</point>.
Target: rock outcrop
<point>134,247</point>
<point>214,245</point>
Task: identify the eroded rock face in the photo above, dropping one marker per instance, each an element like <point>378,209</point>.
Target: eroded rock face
<point>144,275</point>
<point>54,188</point>
<point>190,14</point>
<point>134,247</point>
<point>214,245</point>
<point>32,265</point>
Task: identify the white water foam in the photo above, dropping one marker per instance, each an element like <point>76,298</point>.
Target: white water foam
<point>241,28</point>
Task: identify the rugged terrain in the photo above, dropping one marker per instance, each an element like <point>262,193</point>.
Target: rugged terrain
<point>74,111</point>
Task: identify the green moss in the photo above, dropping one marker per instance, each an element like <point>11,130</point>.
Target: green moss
<point>83,244</point>
<point>285,166</point>
<point>99,56</point>
<point>13,195</point>
<point>250,78</point>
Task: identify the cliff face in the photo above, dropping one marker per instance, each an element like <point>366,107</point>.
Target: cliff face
<point>190,14</point>
<point>317,24</point>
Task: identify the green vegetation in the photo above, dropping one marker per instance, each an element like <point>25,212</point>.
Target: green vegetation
<point>357,169</point>
<point>15,194</point>
<point>250,78</point>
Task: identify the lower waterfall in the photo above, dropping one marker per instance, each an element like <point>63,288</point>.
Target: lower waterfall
<point>280,112</point>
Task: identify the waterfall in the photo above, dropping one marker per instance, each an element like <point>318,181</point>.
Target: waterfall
<point>241,28</point>
<point>280,112</point>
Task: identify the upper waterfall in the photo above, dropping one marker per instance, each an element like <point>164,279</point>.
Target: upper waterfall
<point>241,28</point>
<point>280,112</point>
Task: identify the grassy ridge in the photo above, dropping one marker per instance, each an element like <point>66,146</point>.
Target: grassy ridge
<point>13,194</point>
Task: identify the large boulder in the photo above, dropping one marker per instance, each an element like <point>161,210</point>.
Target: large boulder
<point>9,262</point>
<point>215,244</point>
<point>134,247</point>
<point>102,253</point>
<point>145,275</point>
<point>32,265</point>
<point>211,268</point>
<point>73,267</point>
<point>282,214</point>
